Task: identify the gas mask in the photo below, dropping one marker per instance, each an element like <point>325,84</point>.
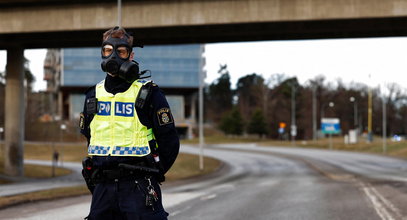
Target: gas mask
<point>115,59</point>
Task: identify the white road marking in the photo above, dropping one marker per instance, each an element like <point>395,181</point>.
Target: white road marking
<point>208,197</point>
<point>173,199</point>
<point>388,204</point>
<point>382,206</point>
<point>176,212</point>
<point>223,188</point>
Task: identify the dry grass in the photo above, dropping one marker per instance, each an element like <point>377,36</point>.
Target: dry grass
<point>187,166</point>
<point>396,149</point>
<point>71,152</point>
<point>37,171</point>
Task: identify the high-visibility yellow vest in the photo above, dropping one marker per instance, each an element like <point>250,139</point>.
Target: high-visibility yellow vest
<point>116,129</point>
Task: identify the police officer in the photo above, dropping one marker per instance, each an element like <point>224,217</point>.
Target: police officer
<point>132,141</point>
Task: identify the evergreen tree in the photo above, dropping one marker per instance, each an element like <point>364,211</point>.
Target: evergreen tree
<point>28,76</point>
<point>251,92</point>
<point>220,95</point>
<point>257,124</point>
<point>232,123</point>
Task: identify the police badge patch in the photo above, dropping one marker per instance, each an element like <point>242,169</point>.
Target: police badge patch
<point>81,121</point>
<point>164,116</point>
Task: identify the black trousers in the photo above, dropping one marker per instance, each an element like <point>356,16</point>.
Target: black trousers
<point>126,200</point>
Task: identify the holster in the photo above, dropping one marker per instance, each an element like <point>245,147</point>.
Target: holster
<point>157,165</point>
<point>88,172</point>
<point>152,162</point>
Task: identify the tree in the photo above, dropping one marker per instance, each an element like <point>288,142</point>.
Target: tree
<point>250,91</point>
<point>28,76</point>
<point>232,122</point>
<point>257,124</point>
<point>220,95</point>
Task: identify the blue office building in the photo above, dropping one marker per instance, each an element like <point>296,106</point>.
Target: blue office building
<point>175,68</point>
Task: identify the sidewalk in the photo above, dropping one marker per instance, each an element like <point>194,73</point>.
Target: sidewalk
<point>30,184</point>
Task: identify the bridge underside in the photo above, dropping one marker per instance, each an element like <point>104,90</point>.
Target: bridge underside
<point>292,30</point>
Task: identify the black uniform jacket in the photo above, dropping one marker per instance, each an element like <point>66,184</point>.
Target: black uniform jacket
<point>164,130</point>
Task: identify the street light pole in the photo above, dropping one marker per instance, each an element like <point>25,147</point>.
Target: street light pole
<point>62,129</point>
<point>331,104</point>
<point>369,117</point>
<point>355,111</point>
<point>1,139</point>
<point>384,126</point>
<point>314,113</point>
<point>201,108</point>
<point>293,123</point>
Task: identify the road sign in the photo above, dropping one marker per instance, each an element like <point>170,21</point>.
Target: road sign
<point>330,126</point>
<point>281,130</point>
<point>293,130</point>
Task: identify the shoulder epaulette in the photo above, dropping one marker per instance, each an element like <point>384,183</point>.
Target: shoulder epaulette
<point>90,89</point>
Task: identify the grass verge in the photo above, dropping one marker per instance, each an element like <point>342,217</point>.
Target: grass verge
<point>36,171</point>
<point>187,166</point>
<point>395,149</point>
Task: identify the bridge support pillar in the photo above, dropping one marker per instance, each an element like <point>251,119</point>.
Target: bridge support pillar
<point>14,113</point>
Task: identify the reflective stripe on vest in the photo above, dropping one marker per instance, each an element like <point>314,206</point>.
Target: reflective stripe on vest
<point>116,129</point>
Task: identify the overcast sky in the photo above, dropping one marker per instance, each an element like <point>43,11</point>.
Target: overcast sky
<point>351,60</point>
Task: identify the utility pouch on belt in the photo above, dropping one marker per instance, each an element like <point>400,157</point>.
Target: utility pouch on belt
<point>87,173</point>
<point>92,106</point>
<point>143,95</point>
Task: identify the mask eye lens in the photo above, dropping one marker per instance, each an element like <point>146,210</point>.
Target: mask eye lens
<point>107,50</point>
<point>123,52</point>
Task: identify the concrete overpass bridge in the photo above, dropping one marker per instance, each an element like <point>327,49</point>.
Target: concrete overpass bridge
<point>75,23</point>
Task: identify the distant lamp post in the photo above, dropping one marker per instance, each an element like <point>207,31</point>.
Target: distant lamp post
<point>330,104</point>
<point>1,138</point>
<point>384,124</point>
<point>384,120</point>
<point>63,128</point>
<point>1,133</point>
<point>314,113</point>
<point>355,112</point>
<point>369,112</point>
<point>293,122</point>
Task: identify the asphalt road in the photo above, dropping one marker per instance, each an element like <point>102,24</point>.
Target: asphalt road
<point>270,183</point>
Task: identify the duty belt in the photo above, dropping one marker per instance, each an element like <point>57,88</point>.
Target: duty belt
<point>124,171</point>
